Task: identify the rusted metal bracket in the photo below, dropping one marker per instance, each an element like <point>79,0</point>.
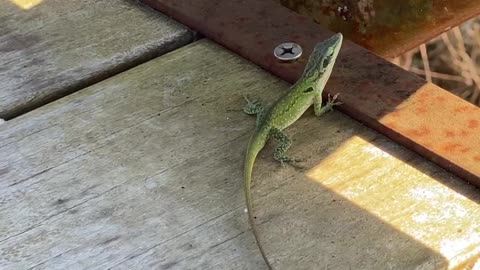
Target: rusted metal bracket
<point>419,115</point>
<point>387,27</point>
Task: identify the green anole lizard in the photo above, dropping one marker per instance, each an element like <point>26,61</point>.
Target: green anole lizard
<point>270,123</point>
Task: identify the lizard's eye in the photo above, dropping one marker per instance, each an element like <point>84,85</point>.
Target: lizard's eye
<point>327,59</point>
<point>325,63</point>
<point>308,90</point>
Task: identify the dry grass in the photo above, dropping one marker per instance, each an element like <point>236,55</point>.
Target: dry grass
<point>451,60</point>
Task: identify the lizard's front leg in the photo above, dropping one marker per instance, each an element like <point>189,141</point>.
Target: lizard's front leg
<point>254,107</point>
<point>317,104</point>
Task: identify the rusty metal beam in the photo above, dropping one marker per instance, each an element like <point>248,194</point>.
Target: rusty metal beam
<point>421,116</point>
<point>387,27</point>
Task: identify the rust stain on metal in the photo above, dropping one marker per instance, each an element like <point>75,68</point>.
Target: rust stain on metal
<point>402,106</point>
<point>387,27</point>
<point>440,123</point>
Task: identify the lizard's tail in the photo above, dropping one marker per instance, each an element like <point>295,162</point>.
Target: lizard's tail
<point>254,146</point>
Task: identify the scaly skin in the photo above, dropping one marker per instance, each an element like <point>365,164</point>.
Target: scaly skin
<point>305,92</point>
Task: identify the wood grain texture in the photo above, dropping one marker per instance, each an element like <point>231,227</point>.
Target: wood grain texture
<point>58,47</point>
<point>360,201</point>
<point>139,171</point>
<point>143,171</point>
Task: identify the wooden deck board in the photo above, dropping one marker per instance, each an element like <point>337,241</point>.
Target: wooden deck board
<point>57,47</point>
<point>143,171</point>
<point>127,172</point>
<point>363,202</point>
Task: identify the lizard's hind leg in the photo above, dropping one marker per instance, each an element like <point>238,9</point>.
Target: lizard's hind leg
<point>283,143</point>
<point>254,107</point>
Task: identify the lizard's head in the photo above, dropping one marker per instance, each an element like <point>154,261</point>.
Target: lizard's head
<point>321,61</point>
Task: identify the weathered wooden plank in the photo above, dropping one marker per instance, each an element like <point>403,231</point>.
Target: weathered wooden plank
<point>143,171</point>
<point>57,47</point>
<point>139,170</point>
<point>362,202</point>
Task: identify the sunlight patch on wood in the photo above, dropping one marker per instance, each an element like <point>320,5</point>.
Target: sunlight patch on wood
<point>26,4</point>
<point>437,210</point>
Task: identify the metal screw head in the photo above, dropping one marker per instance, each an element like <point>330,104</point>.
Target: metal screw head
<point>288,51</point>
